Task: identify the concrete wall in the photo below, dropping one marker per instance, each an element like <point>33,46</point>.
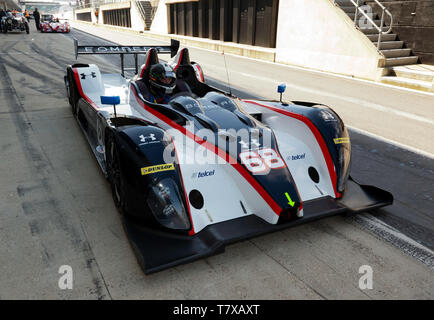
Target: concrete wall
<point>137,22</point>
<point>112,6</point>
<point>159,24</point>
<point>414,24</point>
<point>91,10</point>
<point>315,34</point>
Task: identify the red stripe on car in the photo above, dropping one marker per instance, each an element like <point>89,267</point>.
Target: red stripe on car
<point>222,154</point>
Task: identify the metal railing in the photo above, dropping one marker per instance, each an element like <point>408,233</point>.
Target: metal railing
<point>143,13</point>
<point>379,28</point>
<point>141,10</point>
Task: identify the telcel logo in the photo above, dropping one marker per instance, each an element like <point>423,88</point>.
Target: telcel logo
<point>298,156</point>
<point>205,173</point>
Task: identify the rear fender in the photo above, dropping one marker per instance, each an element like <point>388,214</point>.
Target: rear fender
<point>89,79</point>
<point>198,71</point>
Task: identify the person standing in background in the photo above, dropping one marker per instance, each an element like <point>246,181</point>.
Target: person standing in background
<point>2,14</point>
<point>37,17</point>
<point>27,15</point>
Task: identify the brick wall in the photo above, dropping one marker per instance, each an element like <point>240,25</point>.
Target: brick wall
<point>414,24</point>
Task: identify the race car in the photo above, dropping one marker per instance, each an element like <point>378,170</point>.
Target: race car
<point>14,21</point>
<point>51,24</point>
<point>205,168</point>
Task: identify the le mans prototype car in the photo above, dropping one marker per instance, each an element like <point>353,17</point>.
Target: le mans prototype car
<point>14,22</point>
<point>207,169</point>
<point>50,24</point>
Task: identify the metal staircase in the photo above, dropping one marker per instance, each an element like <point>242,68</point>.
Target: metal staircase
<point>147,12</point>
<point>379,32</point>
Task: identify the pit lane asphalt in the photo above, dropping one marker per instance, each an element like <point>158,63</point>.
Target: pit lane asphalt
<point>56,209</point>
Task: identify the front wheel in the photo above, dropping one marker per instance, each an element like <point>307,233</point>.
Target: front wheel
<point>114,173</point>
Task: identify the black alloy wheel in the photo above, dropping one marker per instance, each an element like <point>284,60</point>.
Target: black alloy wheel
<point>114,174</point>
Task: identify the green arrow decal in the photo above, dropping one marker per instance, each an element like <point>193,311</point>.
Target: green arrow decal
<point>290,202</point>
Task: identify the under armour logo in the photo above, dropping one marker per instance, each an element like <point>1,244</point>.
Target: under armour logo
<point>149,138</point>
<point>92,74</point>
<point>254,143</point>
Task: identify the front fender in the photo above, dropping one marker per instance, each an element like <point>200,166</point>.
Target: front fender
<point>147,156</point>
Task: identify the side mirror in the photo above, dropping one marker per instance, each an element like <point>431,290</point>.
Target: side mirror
<point>281,88</point>
<point>112,100</point>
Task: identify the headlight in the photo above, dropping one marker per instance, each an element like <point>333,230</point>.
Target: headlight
<point>344,161</point>
<point>165,202</point>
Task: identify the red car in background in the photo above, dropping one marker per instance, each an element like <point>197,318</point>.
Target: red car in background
<point>51,24</point>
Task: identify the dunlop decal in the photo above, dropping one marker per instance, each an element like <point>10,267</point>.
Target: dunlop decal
<point>157,168</point>
<point>341,140</point>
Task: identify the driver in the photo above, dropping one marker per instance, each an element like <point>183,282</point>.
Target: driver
<point>162,82</point>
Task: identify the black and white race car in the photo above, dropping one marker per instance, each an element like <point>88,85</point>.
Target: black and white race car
<point>207,169</point>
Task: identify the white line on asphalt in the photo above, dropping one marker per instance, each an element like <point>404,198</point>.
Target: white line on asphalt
<point>392,142</point>
<point>396,238</point>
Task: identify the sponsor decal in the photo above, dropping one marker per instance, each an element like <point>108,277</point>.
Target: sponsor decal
<point>148,139</point>
<point>203,174</point>
<point>254,143</point>
<point>297,157</point>
<point>157,168</point>
<point>341,140</point>
<point>327,115</point>
<point>92,74</point>
<point>119,49</point>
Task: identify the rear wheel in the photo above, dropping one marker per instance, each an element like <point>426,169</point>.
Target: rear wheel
<point>72,91</point>
<point>114,173</point>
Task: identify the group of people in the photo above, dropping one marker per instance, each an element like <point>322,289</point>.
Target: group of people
<point>26,13</point>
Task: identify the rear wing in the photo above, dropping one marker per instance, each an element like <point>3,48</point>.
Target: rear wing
<point>122,50</point>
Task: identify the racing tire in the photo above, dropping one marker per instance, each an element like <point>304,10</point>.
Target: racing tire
<point>114,173</point>
<point>72,91</point>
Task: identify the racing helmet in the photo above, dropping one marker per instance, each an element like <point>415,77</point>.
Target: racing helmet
<point>162,78</point>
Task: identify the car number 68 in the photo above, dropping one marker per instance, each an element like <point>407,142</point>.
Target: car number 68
<point>261,161</point>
